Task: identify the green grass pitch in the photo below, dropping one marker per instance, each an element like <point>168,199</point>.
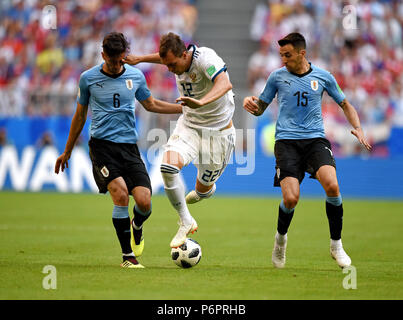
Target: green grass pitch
<point>74,233</point>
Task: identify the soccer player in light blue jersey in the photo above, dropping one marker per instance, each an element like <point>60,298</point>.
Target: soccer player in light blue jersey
<point>301,145</point>
<point>110,90</point>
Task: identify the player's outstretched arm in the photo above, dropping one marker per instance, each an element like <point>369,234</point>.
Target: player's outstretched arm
<point>352,117</point>
<point>151,58</point>
<point>77,124</point>
<point>221,86</point>
<point>159,106</point>
<point>254,105</point>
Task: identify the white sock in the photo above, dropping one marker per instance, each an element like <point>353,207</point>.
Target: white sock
<point>175,191</point>
<point>131,254</point>
<point>335,244</point>
<point>281,238</point>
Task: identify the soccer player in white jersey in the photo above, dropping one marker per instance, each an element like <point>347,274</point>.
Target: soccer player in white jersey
<point>204,133</point>
<point>301,145</point>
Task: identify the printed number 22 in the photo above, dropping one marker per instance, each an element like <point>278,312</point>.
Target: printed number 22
<point>210,176</point>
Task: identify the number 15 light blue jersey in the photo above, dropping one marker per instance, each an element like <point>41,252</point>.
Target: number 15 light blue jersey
<point>300,101</point>
<point>111,101</point>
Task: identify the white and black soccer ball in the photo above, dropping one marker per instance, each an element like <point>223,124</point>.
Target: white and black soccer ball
<point>187,255</point>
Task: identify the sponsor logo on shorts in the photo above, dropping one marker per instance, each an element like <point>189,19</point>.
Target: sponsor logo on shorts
<point>278,173</point>
<point>105,171</point>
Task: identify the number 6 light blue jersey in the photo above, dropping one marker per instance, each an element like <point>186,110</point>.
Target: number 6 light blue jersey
<point>111,101</point>
<point>300,101</point>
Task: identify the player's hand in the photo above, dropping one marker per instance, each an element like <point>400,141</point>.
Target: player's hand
<point>361,138</point>
<point>131,59</point>
<point>62,162</point>
<point>190,102</point>
<point>250,105</point>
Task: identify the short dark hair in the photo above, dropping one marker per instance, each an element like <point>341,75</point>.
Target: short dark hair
<point>114,44</point>
<point>296,39</point>
<point>173,42</point>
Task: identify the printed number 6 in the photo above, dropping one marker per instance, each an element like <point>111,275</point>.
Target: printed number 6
<point>116,101</point>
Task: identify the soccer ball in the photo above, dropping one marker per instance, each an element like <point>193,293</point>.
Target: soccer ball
<point>187,255</point>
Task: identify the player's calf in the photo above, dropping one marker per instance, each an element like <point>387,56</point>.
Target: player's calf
<point>137,239</point>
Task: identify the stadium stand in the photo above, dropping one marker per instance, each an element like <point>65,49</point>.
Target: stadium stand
<point>39,68</point>
<point>365,56</point>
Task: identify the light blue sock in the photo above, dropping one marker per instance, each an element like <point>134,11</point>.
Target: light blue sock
<point>336,201</point>
<point>120,212</point>
<point>284,208</point>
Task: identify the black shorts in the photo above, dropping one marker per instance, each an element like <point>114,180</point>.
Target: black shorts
<point>111,160</point>
<point>295,157</point>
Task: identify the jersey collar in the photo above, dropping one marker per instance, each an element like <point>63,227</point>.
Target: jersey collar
<point>303,74</point>
<point>113,76</point>
<point>193,53</point>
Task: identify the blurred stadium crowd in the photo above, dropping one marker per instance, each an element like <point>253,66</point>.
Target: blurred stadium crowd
<point>366,59</point>
<point>39,68</point>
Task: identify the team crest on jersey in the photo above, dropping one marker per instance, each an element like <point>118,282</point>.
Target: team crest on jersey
<point>314,85</point>
<point>129,84</point>
<point>174,137</point>
<point>192,76</point>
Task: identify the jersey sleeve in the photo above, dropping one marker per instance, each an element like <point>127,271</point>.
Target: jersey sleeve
<point>212,64</point>
<point>333,89</point>
<point>83,95</point>
<point>270,89</point>
<point>142,92</point>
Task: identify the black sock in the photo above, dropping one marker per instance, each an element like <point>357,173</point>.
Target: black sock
<point>140,217</point>
<point>335,217</point>
<point>284,220</point>
<point>122,227</point>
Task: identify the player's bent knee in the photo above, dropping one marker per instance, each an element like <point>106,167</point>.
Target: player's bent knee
<point>143,200</point>
<point>291,201</point>
<point>121,198</point>
<point>332,189</point>
<point>144,206</point>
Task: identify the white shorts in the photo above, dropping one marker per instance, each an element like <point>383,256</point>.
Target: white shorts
<point>210,150</point>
